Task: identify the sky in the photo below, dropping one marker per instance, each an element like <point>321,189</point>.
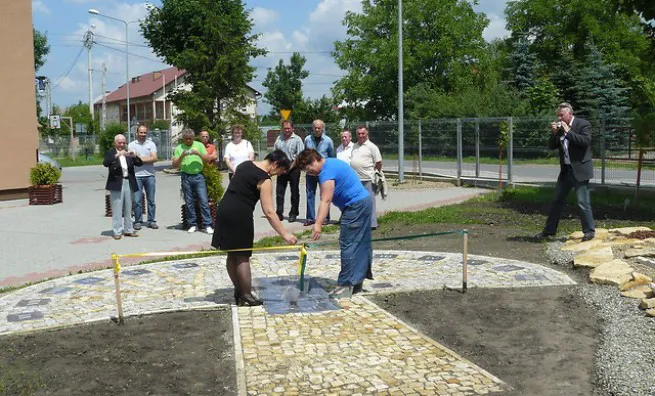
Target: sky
<point>306,26</point>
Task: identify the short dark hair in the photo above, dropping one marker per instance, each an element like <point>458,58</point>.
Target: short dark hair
<point>306,157</point>
<point>287,122</point>
<point>279,158</point>
<point>361,126</point>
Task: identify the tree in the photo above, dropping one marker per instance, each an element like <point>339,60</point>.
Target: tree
<point>284,84</point>
<point>41,48</point>
<point>212,41</point>
<point>442,43</point>
<point>522,64</point>
<point>309,110</point>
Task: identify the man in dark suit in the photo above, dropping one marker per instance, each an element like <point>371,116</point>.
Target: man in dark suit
<point>121,183</point>
<point>572,136</point>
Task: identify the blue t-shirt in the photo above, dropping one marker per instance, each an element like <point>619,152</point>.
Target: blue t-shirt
<point>348,188</point>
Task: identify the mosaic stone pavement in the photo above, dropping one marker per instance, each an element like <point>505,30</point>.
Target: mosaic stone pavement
<point>293,345</point>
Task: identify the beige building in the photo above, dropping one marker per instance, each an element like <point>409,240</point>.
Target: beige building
<point>19,132</point>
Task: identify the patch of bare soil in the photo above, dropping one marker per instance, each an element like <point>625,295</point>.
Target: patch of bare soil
<point>181,353</point>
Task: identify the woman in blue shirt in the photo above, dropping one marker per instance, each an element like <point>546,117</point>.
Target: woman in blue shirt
<point>341,186</point>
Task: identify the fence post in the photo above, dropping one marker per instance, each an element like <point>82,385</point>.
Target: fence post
<point>459,152</point>
<point>510,150</point>
<point>477,148</point>
<point>259,149</point>
<point>420,152</point>
<point>602,148</point>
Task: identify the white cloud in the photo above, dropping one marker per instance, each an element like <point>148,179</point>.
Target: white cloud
<point>263,17</point>
<point>38,6</point>
<point>496,28</point>
<point>69,84</point>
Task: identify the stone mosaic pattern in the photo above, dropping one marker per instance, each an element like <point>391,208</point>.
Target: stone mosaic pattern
<point>357,350</point>
<point>196,283</point>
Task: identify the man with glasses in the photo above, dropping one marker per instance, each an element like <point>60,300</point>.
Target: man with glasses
<point>325,147</point>
<point>190,157</point>
<point>145,177</point>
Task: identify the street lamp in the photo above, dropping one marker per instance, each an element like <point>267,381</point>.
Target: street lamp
<point>401,110</point>
<point>127,65</point>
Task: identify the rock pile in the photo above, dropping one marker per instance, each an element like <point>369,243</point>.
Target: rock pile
<point>609,256</point>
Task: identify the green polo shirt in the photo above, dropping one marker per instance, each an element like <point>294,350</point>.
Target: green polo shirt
<point>191,164</point>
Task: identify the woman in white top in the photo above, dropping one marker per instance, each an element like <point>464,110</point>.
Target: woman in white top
<point>238,150</point>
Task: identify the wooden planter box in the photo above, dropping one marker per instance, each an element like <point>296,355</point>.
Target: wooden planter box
<point>212,211</point>
<point>45,195</point>
<point>109,213</point>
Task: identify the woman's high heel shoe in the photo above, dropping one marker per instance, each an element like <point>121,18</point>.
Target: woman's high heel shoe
<point>249,300</point>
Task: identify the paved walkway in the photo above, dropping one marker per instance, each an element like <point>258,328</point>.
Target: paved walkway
<point>40,242</point>
<point>295,344</point>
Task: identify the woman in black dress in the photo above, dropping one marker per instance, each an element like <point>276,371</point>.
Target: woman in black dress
<point>234,228</point>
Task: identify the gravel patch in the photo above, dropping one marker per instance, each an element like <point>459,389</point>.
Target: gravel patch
<point>625,359</point>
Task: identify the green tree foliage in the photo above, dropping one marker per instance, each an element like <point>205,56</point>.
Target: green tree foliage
<point>442,46</point>
<point>107,137</point>
<point>212,41</point>
<point>597,90</point>
<point>284,84</point>
<point>522,65</point>
<point>646,8</point>
<point>41,48</point>
<point>321,108</point>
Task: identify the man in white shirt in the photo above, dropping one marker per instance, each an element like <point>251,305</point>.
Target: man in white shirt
<point>345,149</point>
<point>365,160</point>
<point>145,177</point>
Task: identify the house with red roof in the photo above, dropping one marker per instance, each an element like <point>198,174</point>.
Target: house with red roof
<point>149,100</point>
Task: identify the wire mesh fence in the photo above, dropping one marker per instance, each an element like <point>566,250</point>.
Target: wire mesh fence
<point>509,149</point>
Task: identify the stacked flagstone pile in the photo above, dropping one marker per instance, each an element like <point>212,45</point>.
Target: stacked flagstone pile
<point>612,256</point>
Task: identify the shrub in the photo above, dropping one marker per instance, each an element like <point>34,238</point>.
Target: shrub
<point>44,174</point>
<point>214,181</point>
<point>107,137</point>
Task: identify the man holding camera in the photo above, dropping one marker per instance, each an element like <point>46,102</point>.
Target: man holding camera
<point>572,137</point>
<point>121,183</point>
<point>190,157</point>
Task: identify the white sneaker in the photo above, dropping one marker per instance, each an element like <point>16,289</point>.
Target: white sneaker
<point>193,229</point>
<point>209,230</point>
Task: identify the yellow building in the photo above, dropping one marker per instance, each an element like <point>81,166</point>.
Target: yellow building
<point>19,134</point>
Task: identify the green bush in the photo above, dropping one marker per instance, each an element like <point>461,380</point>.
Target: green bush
<point>214,181</point>
<point>107,137</point>
<point>162,125</point>
<point>44,173</point>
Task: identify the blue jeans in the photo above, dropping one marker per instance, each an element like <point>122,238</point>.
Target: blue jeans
<point>565,182</point>
<point>146,183</point>
<point>310,188</point>
<point>194,187</point>
<point>355,243</point>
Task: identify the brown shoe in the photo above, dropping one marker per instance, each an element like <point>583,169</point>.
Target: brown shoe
<point>117,237</point>
<point>131,234</point>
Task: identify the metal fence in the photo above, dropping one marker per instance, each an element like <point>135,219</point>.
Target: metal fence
<point>456,148</point>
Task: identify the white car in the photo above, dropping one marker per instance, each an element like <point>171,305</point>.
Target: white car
<point>48,160</point>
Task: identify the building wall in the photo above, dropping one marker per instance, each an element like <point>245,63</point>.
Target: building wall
<point>19,133</point>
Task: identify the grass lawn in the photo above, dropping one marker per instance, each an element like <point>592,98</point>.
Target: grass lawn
<point>66,162</point>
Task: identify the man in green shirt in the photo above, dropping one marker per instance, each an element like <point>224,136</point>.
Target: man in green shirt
<point>189,157</point>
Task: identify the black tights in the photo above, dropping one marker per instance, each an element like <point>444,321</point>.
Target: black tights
<point>238,268</point>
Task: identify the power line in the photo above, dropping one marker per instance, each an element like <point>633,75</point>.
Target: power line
<point>61,78</point>
<point>121,41</point>
<point>130,53</point>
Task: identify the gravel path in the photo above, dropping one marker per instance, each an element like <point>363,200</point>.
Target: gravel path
<point>625,360</point>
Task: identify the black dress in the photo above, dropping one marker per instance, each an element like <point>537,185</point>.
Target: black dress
<point>234,228</point>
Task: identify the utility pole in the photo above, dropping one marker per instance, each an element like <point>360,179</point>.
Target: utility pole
<point>401,110</point>
<point>88,43</point>
<point>103,117</point>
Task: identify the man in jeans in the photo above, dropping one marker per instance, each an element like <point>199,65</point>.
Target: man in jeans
<point>189,157</point>
<point>322,143</point>
<point>145,177</point>
<point>292,145</point>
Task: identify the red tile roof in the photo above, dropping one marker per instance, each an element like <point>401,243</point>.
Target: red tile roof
<point>145,84</point>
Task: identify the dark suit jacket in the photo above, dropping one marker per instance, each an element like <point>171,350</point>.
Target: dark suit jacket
<point>115,175</point>
<point>579,138</point>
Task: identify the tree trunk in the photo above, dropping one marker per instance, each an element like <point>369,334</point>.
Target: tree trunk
<point>639,163</point>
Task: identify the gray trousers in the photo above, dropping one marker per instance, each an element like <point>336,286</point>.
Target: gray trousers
<point>368,185</point>
<point>121,209</point>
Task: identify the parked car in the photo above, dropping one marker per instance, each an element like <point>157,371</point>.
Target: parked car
<point>48,160</point>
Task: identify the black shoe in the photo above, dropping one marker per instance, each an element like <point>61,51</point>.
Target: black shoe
<point>358,288</point>
<point>137,226</point>
<point>542,235</point>
<point>153,225</point>
<point>249,300</point>
<point>588,236</point>
<point>281,217</point>
<point>292,218</point>
<point>307,223</point>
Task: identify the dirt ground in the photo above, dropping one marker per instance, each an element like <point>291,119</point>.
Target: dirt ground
<point>182,353</point>
<point>541,341</point>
